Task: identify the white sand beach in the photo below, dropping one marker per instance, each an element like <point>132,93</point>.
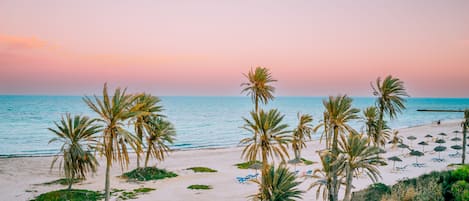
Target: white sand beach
<point>19,177</point>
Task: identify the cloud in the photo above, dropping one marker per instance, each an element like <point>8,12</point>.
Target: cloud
<point>20,42</point>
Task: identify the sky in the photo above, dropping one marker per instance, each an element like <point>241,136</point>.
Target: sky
<point>202,48</point>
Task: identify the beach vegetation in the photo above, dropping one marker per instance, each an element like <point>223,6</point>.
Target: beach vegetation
<point>258,86</point>
<point>199,187</point>
<point>202,169</point>
<point>339,112</point>
<point>113,111</point>
<point>249,165</point>
<point>78,137</point>
<point>306,161</point>
<point>160,133</point>
<point>357,158</point>
<point>390,94</point>
<point>279,184</point>
<point>148,173</point>
<point>270,137</point>
<point>63,181</point>
<point>148,107</point>
<point>70,194</point>
<point>300,134</point>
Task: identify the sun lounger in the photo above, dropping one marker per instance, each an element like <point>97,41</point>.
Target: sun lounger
<point>438,160</point>
<point>401,168</point>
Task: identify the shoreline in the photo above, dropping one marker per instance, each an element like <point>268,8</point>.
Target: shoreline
<point>225,147</point>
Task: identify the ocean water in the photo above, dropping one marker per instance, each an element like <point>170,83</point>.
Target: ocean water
<point>200,122</point>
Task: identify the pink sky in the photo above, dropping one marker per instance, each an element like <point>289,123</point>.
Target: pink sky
<point>314,48</point>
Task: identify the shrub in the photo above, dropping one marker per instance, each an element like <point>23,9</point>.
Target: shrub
<point>72,194</point>
<point>460,190</point>
<point>149,173</point>
<point>201,169</point>
<point>199,187</point>
<point>248,165</point>
<point>307,162</point>
<point>462,173</point>
<point>372,193</point>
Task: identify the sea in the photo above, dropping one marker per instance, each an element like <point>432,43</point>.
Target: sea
<point>200,122</point>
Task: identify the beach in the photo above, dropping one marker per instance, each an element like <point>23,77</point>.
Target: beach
<point>21,177</point>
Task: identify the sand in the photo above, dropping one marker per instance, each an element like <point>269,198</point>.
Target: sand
<point>20,178</point>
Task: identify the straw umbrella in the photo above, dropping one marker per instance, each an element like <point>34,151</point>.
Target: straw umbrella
<point>457,148</point>
<point>443,135</point>
<point>394,159</point>
<point>403,146</point>
<point>411,138</point>
<point>456,139</point>
<point>416,154</point>
<point>423,143</point>
<point>440,141</point>
<point>439,149</point>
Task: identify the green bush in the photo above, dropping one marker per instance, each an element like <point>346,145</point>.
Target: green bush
<point>460,190</point>
<point>201,169</point>
<point>73,194</point>
<point>63,181</point>
<point>199,187</point>
<point>372,193</point>
<point>148,173</point>
<point>248,165</point>
<point>462,173</point>
<point>307,162</point>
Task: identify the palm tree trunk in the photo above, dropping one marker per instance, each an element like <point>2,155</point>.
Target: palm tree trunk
<point>464,133</point>
<point>147,157</point>
<point>70,181</point>
<point>380,121</point>
<point>348,188</point>
<point>264,172</point>
<point>139,147</point>
<point>107,184</point>
<point>333,192</point>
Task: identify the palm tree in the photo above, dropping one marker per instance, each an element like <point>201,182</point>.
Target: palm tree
<point>302,131</point>
<point>278,185</point>
<point>370,115</point>
<point>357,156</point>
<point>339,112</point>
<point>113,111</point>
<point>160,132</point>
<point>78,137</point>
<point>148,106</point>
<point>464,125</point>
<point>390,95</point>
<point>258,86</point>
<point>269,137</point>
<point>396,139</point>
<point>322,176</point>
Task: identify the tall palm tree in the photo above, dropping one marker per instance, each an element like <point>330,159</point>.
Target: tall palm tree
<point>339,112</point>
<point>258,86</point>
<point>377,136</point>
<point>148,107</point>
<point>160,133</point>
<point>113,111</point>
<point>390,95</point>
<point>357,156</point>
<point>322,176</point>
<point>78,137</point>
<point>302,131</point>
<point>278,185</point>
<point>269,139</point>
<point>465,126</point>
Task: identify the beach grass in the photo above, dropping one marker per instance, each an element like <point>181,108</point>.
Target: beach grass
<point>202,169</point>
<point>148,173</point>
<point>248,165</point>
<point>72,194</point>
<point>199,187</point>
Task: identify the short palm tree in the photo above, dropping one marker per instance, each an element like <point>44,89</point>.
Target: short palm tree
<point>160,133</point>
<point>323,177</point>
<point>357,156</point>
<point>258,86</point>
<point>339,113</point>
<point>395,139</point>
<point>269,139</point>
<point>390,95</point>
<point>78,135</point>
<point>302,131</point>
<point>113,111</point>
<point>148,106</point>
<point>278,185</point>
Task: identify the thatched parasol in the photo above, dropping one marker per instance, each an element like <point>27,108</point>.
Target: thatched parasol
<point>411,138</point>
<point>439,149</point>
<point>440,141</point>
<point>423,143</point>
<point>394,159</point>
<point>416,154</point>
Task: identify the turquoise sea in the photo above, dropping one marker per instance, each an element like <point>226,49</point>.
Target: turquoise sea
<point>201,122</point>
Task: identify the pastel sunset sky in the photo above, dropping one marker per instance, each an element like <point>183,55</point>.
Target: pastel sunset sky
<point>314,48</point>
